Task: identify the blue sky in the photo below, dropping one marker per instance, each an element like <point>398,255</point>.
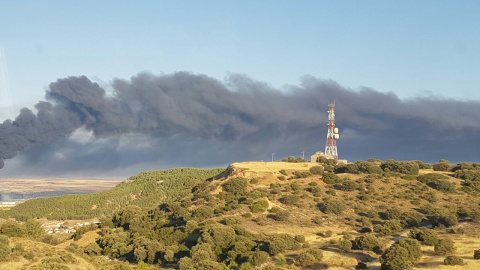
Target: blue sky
<point>410,48</point>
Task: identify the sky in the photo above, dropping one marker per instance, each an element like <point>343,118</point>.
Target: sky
<point>394,52</point>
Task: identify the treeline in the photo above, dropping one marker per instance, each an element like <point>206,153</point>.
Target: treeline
<point>195,233</point>
<point>146,189</point>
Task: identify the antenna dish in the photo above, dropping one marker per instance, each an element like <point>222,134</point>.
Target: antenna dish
<point>337,136</point>
<point>335,130</point>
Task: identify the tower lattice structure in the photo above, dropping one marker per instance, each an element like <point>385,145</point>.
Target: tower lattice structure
<point>332,135</point>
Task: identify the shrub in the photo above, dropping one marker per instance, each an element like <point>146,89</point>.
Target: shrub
<point>330,178</point>
<point>422,165</point>
<point>345,245</point>
<point>282,215</point>
<point>390,227</point>
<point>402,255</point>
<point>366,242</point>
<point>202,251</point>
<point>310,257</point>
<point>443,219</point>
<point>404,167</point>
<point>4,252</point>
<point>316,170</point>
<point>411,219</point>
<point>361,265</point>
<point>444,247</point>
<point>203,212</point>
<point>317,254</point>
<point>442,165</point>
<point>300,238</point>
<point>258,258</point>
<point>347,185</point>
<point>276,246</point>
<point>290,199</point>
<point>280,260</point>
<point>283,172</point>
<point>236,185</point>
<point>453,260</point>
<point>393,213</point>
<point>468,175</point>
<point>301,174</point>
<point>426,236</point>
<point>442,185</point>
<point>306,259</point>
<point>331,206</point>
<point>231,220</point>
<point>259,206</point>
<point>476,254</point>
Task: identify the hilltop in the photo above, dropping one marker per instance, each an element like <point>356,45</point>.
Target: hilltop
<point>270,215</point>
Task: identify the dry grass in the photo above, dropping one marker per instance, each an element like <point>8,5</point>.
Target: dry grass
<point>42,251</point>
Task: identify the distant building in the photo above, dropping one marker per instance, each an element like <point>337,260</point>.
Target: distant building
<point>314,158</point>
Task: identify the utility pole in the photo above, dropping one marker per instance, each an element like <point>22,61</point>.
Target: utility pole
<point>272,156</point>
<point>303,154</point>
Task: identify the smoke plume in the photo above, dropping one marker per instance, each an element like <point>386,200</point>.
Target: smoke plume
<point>188,119</point>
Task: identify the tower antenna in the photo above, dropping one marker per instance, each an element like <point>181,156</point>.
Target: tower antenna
<point>332,135</point>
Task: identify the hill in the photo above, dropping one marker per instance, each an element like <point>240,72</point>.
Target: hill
<point>398,214</point>
<point>146,189</point>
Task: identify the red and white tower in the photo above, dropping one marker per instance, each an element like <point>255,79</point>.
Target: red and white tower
<point>332,135</point>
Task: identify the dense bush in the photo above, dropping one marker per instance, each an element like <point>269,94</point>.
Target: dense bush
<point>444,247</point>
<point>282,215</point>
<point>4,248</point>
<point>453,260</point>
<point>425,236</point>
<point>431,177</point>
<point>468,175</point>
<point>259,206</point>
<point>442,165</point>
<point>292,159</point>
<point>236,185</point>
<point>476,254</point>
<point>404,167</point>
<point>366,242</point>
<point>345,245</point>
<point>442,218</point>
<point>423,165</point>
<point>402,255</point>
<point>347,185</point>
<point>310,257</point>
<point>316,170</point>
<point>330,178</point>
<point>331,206</point>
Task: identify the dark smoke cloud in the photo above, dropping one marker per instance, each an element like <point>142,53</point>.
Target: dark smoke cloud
<point>183,119</point>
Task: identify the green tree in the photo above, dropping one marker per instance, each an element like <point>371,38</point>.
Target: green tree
<point>236,185</point>
<point>202,251</point>
<point>402,255</point>
<point>444,247</point>
<point>453,260</point>
<point>4,250</point>
<point>426,236</point>
<point>366,242</point>
<point>34,229</point>
<point>442,165</point>
<point>316,170</point>
<point>332,206</point>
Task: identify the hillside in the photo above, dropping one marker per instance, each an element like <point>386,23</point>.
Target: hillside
<point>146,189</point>
<point>278,215</point>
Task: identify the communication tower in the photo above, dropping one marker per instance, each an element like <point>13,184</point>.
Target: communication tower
<point>332,135</point>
